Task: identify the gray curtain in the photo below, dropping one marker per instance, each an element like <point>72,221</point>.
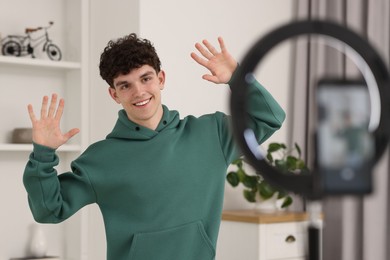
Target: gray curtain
<point>356,228</point>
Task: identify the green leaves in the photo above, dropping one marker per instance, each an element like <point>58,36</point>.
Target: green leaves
<point>287,202</point>
<point>286,161</point>
<point>266,191</point>
<point>250,181</point>
<point>233,179</point>
<point>250,195</point>
<point>273,147</point>
<point>281,157</point>
<point>298,149</point>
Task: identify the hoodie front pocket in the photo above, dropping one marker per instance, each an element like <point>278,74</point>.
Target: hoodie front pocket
<point>187,242</point>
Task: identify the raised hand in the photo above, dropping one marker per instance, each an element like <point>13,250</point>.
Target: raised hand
<point>46,129</point>
<point>220,63</point>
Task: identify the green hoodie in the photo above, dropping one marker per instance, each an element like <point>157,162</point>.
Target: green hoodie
<point>160,191</point>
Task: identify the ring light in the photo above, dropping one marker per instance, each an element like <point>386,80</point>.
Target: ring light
<point>377,79</point>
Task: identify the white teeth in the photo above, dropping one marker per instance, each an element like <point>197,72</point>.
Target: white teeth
<point>142,102</point>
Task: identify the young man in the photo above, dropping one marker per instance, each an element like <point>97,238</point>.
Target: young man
<point>158,179</point>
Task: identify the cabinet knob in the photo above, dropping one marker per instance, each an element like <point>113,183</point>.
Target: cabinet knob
<point>290,239</point>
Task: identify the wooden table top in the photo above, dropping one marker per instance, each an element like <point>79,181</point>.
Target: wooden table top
<point>252,216</point>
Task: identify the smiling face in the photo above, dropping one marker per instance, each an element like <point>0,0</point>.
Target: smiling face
<point>139,93</point>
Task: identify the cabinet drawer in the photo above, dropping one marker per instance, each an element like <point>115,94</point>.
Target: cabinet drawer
<point>286,240</point>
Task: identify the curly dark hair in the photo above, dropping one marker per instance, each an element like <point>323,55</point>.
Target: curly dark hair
<point>124,55</point>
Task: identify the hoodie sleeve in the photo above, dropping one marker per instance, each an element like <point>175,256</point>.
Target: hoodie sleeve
<point>265,114</point>
<point>53,198</point>
<point>264,111</point>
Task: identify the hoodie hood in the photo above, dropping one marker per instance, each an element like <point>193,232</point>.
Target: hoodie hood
<point>127,129</point>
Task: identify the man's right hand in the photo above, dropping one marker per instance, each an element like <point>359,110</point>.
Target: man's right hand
<point>46,130</point>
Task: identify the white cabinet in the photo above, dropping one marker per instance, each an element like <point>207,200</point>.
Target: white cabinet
<point>24,80</point>
<point>256,236</point>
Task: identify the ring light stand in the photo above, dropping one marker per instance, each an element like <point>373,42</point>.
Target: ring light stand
<point>377,77</point>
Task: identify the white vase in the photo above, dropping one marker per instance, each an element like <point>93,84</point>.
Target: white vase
<point>279,204</point>
<point>38,244</point>
<point>266,205</point>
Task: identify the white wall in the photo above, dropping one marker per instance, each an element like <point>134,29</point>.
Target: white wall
<point>109,21</point>
<point>174,26</point>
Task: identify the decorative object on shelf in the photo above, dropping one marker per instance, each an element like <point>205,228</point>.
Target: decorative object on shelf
<point>22,136</point>
<point>269,205</point>
<point>23,45</point>
<point>259,191</point>
<point>38,244</point>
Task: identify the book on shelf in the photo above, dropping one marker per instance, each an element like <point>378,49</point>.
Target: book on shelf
<point>37,258</point>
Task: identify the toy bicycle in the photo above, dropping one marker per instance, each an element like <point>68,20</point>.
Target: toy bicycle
<point>17,45</point>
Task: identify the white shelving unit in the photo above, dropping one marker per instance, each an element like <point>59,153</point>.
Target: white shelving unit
<point>24,80</point>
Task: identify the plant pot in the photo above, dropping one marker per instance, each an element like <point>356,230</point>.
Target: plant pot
<point>266,205</point>
<point>279,204</point>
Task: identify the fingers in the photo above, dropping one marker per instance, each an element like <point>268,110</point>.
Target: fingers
<point>210,78</point>
<point>46,129</point>
<point>199,60</point>
<point>208,53</point>
<point>60,109</point>
<point>210,47</point>
<point>203,51</point>
<point>71,133</point>
<point>219,62</point>
<point>211,51</point>
<point>221,44</point>
<point>31,113</point>
<point>44,106</point>
<point>52,107</point>
<point>52,111</point>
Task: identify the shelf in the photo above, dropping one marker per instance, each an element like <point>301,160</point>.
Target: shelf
<point>28,148</point>
<point>23,61</point>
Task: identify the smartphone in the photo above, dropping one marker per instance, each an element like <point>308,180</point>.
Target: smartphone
<point>344,145</point>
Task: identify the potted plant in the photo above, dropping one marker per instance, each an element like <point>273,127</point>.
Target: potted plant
<point>285,159</point>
